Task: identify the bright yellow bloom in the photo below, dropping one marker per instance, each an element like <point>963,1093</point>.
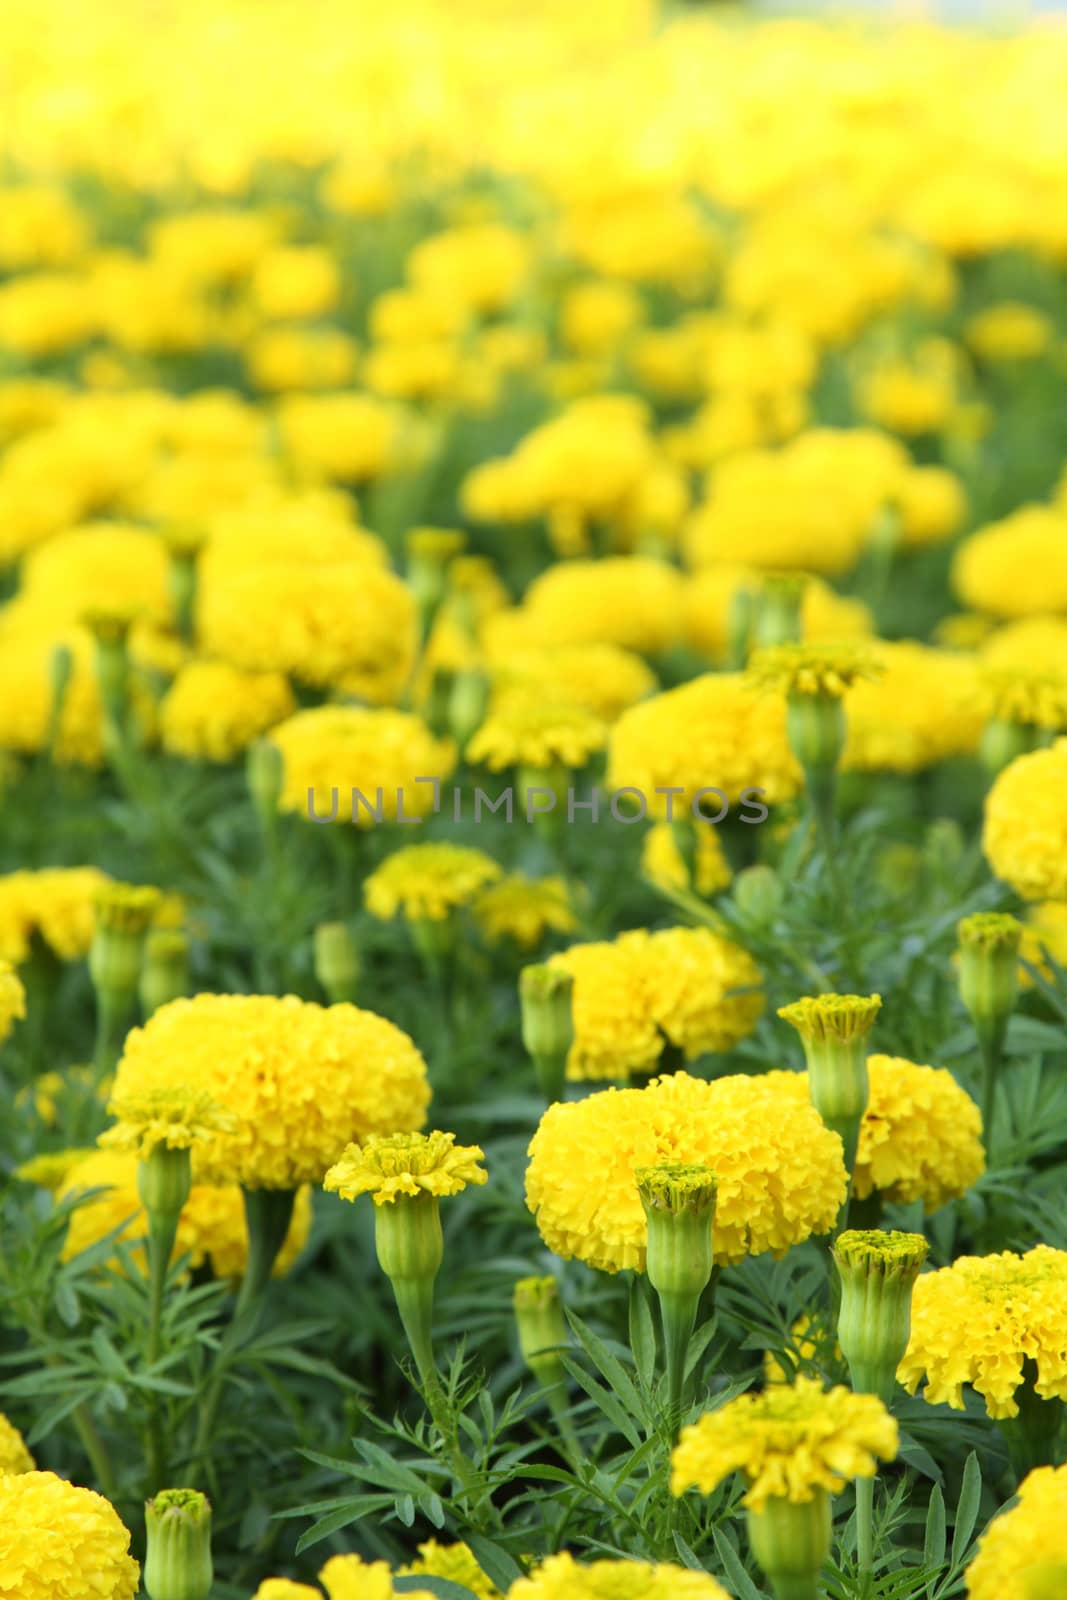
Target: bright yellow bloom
<point>300,1080</point>
<point>1022,1543</point>
<point>841,1017</point>
<point>980,1319</point>
<point>58,1542</point>
<point>644,989</point>
<point>779,1170</point>
<point>711,592</point>
<point>1032,644</point>
<point>333,751</point>
<point>629,601</point>
<point>286,1589</point>
<point>601,678</point>
<point>822,670</point>
<point>213,711</point>
<point>14,1457</point>
<point>924,707</point>
<point>428,881</point>
<point>790,1441</point>
<point>455,1563</point>
<point>1025,832</point>
<point>1016,567</point>
<point>12,998</point>
<point>1009,331</point>
<point>173,1116</point>
<point>524,909</point>
<point>212,1228</point>
<point>388,1165</point>
<point>49,1171</point>
<point>717,731</point>
<point>1044,934</point>
<point>560,1577</point>
<point>920,1138</point>
<point>521,729</point>
<point>663,863</point>
<point>56,904</point>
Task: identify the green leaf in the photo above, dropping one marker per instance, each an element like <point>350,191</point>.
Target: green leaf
<point>735,1572</point>
<point>934,1544</point>
<point>607,1364</point>
<point>444,1588</point>
<point>499,1567</point>
<point>689,1557</point>
<point>642,1330</point>
<point>967,1508</point>
<point>605,1400</point>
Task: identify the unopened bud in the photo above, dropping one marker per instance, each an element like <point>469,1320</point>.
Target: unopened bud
<point>546,995</point>
<point>337,964</point>
<point>178,1562</point>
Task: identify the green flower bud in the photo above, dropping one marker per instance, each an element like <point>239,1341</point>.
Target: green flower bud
<point>408,1238</point>
<point>542,1330</point>
<point>164,1178</point>
<point>545,996</point>
<point>989,968</point>
<point>877,1272</point>
<point>178,1557</point>
<point>777,609</point>
<point>164,968</point>
<point>124,914</point>
<point>898,869</point>
<point>467,704</point>
<point>435,711</point>
<point>758,894</point>
<point>834,1029</point>
<point>816,728</point>
<point>679,1206</point>
<point>944,844</point>
<point>429,551</point>
<point>1003,740</point>
<point>265,777</point>
<point>791,1543</point>
<point>337,964</point>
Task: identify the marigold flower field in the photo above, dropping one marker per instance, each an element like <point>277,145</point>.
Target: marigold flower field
<point>533,768</point>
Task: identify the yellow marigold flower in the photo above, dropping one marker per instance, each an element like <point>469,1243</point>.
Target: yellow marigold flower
<point>629,601</point>
<point>213,711</point>
<point>1032,697</point>
<point>1016,567</point>
<point>716,731</point>
<point>296,281</point>
<point>14,1457</point>
<point>301,1081</point>
<point>663,863</point>
<point>824,671</point>
<point>790,1441</point>
<point>344,438</point>
<point>965,630</point>
<point>27,691</point>
<point>333,751</point>
<point>12,998</point>
<point>925,707</point>
<point>455,1563</point>
<point>58,1542</point>
<point>1033,644</point>
<point>906,399</point>
<point>212,1229</point>
<point>171,1115</point>
<point>921,1134</point>
<point>428,881</point>
<point>1008,331</point>
<point>710,594</point>
<point>388,1165</point>
<point>840,1017</point>
<point>286,1589</point>
<point>49,1171</point>
<point>102,565</point>
<point>56,904</point>
<point>930,504</point>
<point>281,358</point>
<point>980,1319</point>
<point>560,1577</point>
<point>1044,934</point>
<point>1021,1544</point>
<point>780,1173</point>
<point>643,990</point>
<point>521,729</point>
<point>1025,833</point>
<point>524,909</point>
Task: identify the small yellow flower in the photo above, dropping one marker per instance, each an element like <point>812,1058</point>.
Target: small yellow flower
<point>841,1017</point>
<point>428,881</point>
<point>12,998</point>
<point>522,730</point>
<point>405,1164</point>
<point>524,909</point>
<point>455,1563</point>
<point>170,1115</point>
<point>823,670</point>
<point>789,1441</point>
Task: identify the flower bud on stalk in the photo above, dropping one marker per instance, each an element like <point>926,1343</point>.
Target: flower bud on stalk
<point>791,1543</point>
<point>739,628</point>
<point>776,617</point>
<point>265,777</point>
<point>337,964</point>
<point>61,671</point>
<point>877,1272</point>
<point>164,969</point>
<point>834,1030</point>
<point>468,702</point>
<point>178,1557</point>
<point>183,546</point>
<point>124,913</point>
<point>429,551</point>
<point>989,985</point>
<point>679,1206</point>
<point>546,998</point>
<point>758,892</point>
<point>542,1330</point>
<point>1003,740</point>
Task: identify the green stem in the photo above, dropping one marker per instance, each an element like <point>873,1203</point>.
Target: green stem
<point>989,1046</point>
<point>97,1451</point>
<point>865,1523</point>
<point>113,1010</point>
<point>678,1312</point>
<point>414,1301</point>
<point>162,1233</point>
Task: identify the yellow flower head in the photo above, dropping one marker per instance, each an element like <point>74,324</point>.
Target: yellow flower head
<point>603,679</point>
<point>14,1457</point>
<point>1025,832</point>
<point>1032,697</point>
<point>455,1563</point>
<point>12,998</point>
<point>1016,567</point>
<point>49,1171</point>
<point>663,863</point>
<point>428,881</point>
<point>213,710</point>
<point>780,1173</point>
<point>524,909</point>
<point>300,1080</point>
<point>560,1577</point>
<point>58,1542</point>
<point>520,729</point>
<point>170,1115</point>
<point>405,1163</point>
<point>351,1578</point>
<point>56,905</point>
<point>790,1441</point>
<point>359,764</point>
<point>1011,1308</point>
<point>126,907</point>
<point>925,706</point>
<point>1021,1545</point>
<point>212,1229</point>
<point>920,1138</point>
<point>689,986</point>
<point>840,1017</point>
<point>823,671</point>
